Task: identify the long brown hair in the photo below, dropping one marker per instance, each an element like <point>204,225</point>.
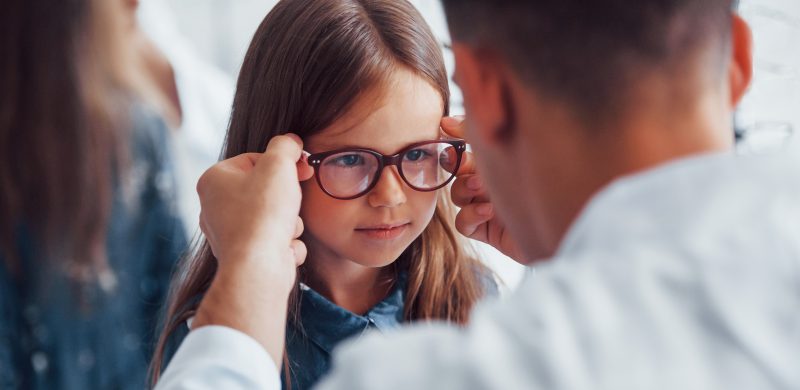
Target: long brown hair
<point>309,62</point>
<point>58,144</point>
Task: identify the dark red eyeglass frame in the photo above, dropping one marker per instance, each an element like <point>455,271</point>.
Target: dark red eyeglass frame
<point>315,160</point>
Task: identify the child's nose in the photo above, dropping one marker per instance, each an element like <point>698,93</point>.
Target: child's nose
<point>389,191</point>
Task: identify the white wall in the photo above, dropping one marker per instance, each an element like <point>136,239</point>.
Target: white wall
<point>773,102</point>
<point>220,31</point>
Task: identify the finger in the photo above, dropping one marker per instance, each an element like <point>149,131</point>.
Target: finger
<point>299,228</point>
<point>285,148</point>
<point>468,189</point>
<point>221,172</point>
<point>453,126</point>
<point>203,226</point>
<point>243,162</point>
<point>300,251</point>
<point>304,170</point>
<point>471,220</point>
<point>467,164</point>
<point>205,232</point>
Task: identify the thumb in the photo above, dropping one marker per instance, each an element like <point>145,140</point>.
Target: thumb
<point>453,126</point>
<point>304,170</point>
<point>470,220</point>
<point>286,148</point>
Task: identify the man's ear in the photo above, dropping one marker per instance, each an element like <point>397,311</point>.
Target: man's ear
<point>486,97</point>
<point>740,71</point>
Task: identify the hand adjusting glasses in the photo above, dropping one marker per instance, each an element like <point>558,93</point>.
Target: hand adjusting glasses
<point>352,172</point>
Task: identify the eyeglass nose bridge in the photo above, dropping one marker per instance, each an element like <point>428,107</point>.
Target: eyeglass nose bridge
<point>388,161</point>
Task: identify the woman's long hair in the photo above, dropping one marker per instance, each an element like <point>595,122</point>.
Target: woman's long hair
<point>59,66</point>
<point>309,62</point>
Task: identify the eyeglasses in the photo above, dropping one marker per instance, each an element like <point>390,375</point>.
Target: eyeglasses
<point>351,173</point>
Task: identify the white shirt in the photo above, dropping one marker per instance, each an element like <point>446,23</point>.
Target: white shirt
<point>683,277</point>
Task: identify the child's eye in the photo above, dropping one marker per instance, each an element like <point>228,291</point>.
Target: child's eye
<point>348,160</point>
<point>417,155</point>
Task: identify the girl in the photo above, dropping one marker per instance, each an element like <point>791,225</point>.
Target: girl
<point>363,82</point>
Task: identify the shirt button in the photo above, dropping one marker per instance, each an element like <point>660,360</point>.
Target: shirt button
<point>40,362</point>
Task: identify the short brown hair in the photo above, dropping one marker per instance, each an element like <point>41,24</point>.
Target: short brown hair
<point>585,53</point>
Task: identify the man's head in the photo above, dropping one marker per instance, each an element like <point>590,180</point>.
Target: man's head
<point>563,96</point>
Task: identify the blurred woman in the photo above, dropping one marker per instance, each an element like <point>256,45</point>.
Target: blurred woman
<point>88,235</point>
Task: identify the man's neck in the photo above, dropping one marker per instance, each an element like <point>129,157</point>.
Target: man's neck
<point>657,132</point>
<point>669,135</point>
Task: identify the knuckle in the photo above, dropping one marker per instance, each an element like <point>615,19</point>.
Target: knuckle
<point>276,161</point>
<point>204,182</point>
<point>462,220</point>
<point>281,143</point>
<point>460,199</point>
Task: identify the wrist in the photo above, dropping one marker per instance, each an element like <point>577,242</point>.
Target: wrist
<point>244,254</point>
<point>256,280</point>
<point>235,302</point>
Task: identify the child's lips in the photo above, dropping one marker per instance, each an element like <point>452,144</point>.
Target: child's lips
<point>384,231</point>
<point>384,226</point>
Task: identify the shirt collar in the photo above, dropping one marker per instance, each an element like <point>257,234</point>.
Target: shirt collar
<point>657,205</point>
<point>640,203</point>
<point>327,324</point>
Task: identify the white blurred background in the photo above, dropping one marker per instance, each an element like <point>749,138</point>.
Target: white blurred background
<point>771,110</point>
<point>210,37</point>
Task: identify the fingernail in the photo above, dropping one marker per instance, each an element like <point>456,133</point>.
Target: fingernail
<point>294,136</point>
<point>453,120</point>
<point>475,183</point>
<point>485,209</point>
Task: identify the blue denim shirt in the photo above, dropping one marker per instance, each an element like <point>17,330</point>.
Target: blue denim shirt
<point>323,325</point>
<point>52,338</point>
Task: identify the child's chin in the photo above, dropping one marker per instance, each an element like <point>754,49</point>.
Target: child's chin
<point>377,260</point>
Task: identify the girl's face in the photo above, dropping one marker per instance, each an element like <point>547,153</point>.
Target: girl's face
<point>373,230</point>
